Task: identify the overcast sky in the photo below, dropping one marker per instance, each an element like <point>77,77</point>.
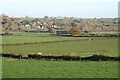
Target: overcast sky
<point>54,8</point>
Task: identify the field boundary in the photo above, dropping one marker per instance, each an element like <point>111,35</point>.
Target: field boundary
<point>46,42</point>
<point>59,58</point>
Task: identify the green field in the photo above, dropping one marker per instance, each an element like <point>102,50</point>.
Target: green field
<point>81,48</point>
<point>33,37</point>
<point>58,69</point>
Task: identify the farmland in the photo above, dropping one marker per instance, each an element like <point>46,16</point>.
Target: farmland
<point>26,38</point>
<point>77,48</point>
<point>59,69</point>
<point>64,46</point>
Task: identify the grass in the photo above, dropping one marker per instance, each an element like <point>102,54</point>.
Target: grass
<point>27,37</point>
<point>81,48</point>
<point>33,37</point>
<point>112,32</point>
<point>0,68</point>
<point>58,69</point>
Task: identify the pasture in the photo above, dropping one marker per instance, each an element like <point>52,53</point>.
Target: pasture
<point>13,68</point>
<point>58,69</point>
<point>23,37</point>
<point>80,48</point>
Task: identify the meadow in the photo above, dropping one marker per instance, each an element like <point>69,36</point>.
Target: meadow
<point>23,37</point>
<point>59,69</point>
<point>80,48</point>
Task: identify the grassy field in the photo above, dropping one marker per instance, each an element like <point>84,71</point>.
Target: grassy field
<point>113,32</point>
<point>81,48</point>
<point>58,69</point>
<point>33,37</point>
<point>27,37</point>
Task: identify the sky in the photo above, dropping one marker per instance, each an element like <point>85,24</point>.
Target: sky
<point>64,8</point>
